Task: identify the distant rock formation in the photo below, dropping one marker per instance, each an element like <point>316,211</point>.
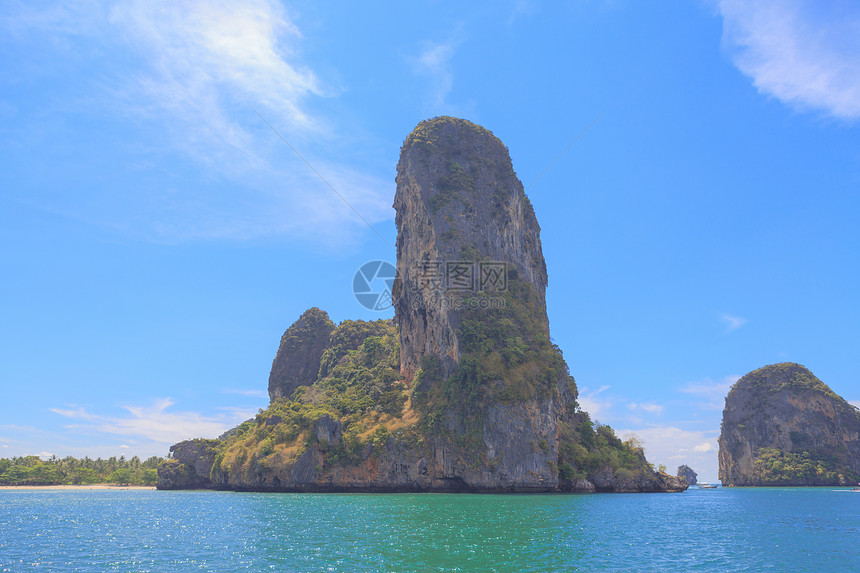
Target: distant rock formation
<point>782,426</point>
<point>686,473</point>
<point>189,466</point>
<point>297,362</point>
<point>466,392</point>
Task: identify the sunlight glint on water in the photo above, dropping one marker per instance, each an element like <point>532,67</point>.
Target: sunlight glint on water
<point>700,530</point>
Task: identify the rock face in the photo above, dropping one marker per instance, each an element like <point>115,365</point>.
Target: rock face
<point>460,209</point>
<point>465,231</point>
<point>686,473</point>
<point>465,392</point>
<point>189,467</point>
<point>782,426</point>
<point>297,362</point>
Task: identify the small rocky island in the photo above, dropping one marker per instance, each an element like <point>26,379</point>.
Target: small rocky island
<point>686,473</point>
<point>782,426</point>
<point>462,391</point>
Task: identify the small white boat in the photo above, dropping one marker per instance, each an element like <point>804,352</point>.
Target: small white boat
<point>707,486</point>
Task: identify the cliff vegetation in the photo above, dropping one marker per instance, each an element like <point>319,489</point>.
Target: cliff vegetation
<point>783,426</point>
<point>463,391</point>
<point>32,470</point>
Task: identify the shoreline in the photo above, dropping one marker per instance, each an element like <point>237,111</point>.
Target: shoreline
<point>93,486</point>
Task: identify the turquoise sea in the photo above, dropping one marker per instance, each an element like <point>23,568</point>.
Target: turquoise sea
<point>727,529</point>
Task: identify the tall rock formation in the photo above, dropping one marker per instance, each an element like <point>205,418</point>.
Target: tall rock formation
<point>466,392</point>
<point>462,218</point>
<point>467,236</point>
<point>782,426</point>
<point>297,362</point>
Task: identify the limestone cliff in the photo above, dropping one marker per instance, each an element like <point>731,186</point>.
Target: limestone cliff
<point>297,362</point>
<point>462,216</point>
<point>189,466</point>
<point>782,426</point>
<point>464,391</point>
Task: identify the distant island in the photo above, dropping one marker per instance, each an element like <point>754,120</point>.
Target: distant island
<point>686,473</point>
<point>462,391</point>
<point>782,426</point>
<point>34,471</point>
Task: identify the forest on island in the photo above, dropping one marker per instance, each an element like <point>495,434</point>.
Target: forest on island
<point>33,470</point>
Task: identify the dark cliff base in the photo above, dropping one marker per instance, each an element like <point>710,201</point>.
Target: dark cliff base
<point>194,459</point>
<point>463,490</point>
<point>454,488</point>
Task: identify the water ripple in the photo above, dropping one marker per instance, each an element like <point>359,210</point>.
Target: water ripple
<point>812,529</point>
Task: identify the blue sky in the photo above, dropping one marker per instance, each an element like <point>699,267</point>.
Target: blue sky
<point>157,236</point>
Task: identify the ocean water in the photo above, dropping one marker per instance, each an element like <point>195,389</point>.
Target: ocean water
<point>727,529</point>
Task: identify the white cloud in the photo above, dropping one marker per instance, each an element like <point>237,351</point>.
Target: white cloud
<point>674,446</point>
<point>190,79</point>
<point>591,402</point>
<point>732,322</point>
<point>647,406</point>
<point>155,423</point>
<point>855,403</point>
<point>522,8</point>
<point>205,56</point>
<point>712,392</point>
<point>245,392</point>
<point>434,63</point>
<point>803,52</point>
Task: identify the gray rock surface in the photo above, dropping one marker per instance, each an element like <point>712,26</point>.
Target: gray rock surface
<point>458,200</point>
<point>686,473</point>
<point>190,465</point>
<point>297,361</point>
<point>784,407</point>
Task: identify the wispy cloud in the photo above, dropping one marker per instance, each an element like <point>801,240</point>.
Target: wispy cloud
<point>522,8</point>
<point>154,423</point>
<point>205,57</point>
<point>711,387</point>
<point>590,401</point>
<point>803,52</point>
<point>246,392</point>
<point>646,406</point>
<point>712,392</point>
<point>434,62</point>
<point>187,79</point>
<point>732,322</point>
<point>674,446</point>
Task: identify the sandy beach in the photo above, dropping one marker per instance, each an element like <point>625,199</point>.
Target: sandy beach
<point>77,487</point>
